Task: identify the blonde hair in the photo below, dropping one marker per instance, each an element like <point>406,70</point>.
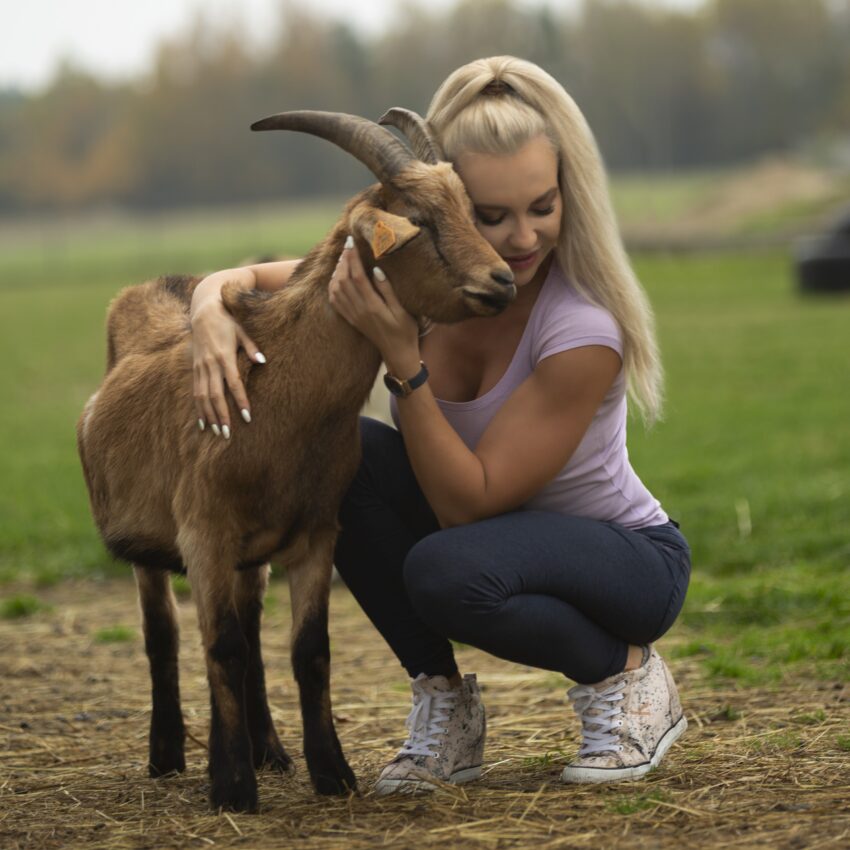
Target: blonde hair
<point>495,106</point>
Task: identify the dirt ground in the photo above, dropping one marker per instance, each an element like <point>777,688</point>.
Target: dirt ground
<point>757,768</point>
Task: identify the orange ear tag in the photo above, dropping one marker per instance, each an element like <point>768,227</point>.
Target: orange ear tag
<point>383,239</point>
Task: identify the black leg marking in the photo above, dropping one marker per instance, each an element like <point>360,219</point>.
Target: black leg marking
<point>233,783</point>
<point>328,768</point>
<point>266,747</point>
<point>167,733</point>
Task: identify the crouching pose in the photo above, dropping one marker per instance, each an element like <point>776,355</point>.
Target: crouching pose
<point>503,511</point>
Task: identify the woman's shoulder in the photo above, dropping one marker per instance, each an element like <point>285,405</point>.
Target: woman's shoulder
<point>567,318</point>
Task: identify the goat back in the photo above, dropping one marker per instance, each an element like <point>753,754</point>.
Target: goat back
<point>148,317</point>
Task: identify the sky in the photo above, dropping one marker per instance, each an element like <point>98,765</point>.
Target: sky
<point>117,38</point>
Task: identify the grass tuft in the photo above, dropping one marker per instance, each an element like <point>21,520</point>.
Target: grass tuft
<point>21,605</point>
<point>727,713</point>
<point>814,718</point>
<point>181,587</point>
<point>548,759</point>
<point>115,634</point>
<point>772,744</point>
<point>634,803</point>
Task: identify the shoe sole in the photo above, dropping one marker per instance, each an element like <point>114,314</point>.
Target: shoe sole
<point>383,787</point>
<point>578,775</point>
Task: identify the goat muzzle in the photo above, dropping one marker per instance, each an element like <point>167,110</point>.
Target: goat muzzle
<point>505,278</point>
<point>489,301</point>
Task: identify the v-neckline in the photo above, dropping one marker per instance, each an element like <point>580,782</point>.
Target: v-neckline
<point>483,399</point>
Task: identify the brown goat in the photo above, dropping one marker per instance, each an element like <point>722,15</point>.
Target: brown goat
<point>167,497</point>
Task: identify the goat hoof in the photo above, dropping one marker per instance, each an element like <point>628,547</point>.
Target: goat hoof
<point>166,764</point>
<point>342,782</point>
<point>166,745</point>
<point>238,795</point>
<point>277,759</point>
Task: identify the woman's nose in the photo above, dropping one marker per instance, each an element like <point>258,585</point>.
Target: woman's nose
<point>523,235</point>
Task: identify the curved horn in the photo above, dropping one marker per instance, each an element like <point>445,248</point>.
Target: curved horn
<point>417,130</point>
<point>377,148</point>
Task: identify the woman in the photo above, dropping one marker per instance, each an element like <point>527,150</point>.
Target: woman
<point>504,512</point>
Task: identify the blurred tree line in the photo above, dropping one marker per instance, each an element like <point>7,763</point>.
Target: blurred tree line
<point>662,89</point>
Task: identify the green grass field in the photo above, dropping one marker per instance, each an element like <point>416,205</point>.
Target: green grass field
<point>753,457</point>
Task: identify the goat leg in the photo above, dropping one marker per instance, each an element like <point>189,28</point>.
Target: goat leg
<point>309,584</point>
<point>250,588</point>
<point>233,784</point>
<point>159,623</point>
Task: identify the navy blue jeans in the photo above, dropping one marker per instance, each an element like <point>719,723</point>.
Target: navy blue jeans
<point>563,593</point>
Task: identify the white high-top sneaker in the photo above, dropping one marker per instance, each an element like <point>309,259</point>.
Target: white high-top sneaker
<point>628,722</point>
<point>446,741</point>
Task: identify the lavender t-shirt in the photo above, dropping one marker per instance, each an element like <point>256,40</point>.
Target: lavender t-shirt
<point>598,481</point>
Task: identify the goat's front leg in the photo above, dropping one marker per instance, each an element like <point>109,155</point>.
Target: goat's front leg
<point>250,588</point>
<point>309,584</point>
<point>159,623</point>
<point>233,784</point>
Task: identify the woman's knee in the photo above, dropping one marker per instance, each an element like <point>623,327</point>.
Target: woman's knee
<point>432,585</point>
<point>449,585</point>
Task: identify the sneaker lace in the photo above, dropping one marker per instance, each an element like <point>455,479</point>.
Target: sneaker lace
<point>427,721</point>
<point>599,716</point>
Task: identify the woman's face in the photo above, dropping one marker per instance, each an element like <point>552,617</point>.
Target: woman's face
<point>517,203</point>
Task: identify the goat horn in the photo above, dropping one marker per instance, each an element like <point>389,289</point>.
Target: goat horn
<point>376,147</point>
<point>417,130</point>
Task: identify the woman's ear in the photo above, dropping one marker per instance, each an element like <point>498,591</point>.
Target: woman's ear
<point>384,231</point>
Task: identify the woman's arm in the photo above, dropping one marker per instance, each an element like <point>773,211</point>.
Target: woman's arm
<point>528,441</point>
<point>216,338</point>
<point>531,437</point>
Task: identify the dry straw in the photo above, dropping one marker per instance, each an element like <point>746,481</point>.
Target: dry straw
<point>757,768</point>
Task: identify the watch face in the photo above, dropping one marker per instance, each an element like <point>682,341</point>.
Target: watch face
<point>394,385</point>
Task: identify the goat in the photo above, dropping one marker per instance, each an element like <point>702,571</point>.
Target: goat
<point>166,497</point>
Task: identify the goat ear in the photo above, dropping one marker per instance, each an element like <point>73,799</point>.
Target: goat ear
<point>384,232</point>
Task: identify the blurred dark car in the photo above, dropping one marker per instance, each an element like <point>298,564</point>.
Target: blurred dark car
<point>823,262</point>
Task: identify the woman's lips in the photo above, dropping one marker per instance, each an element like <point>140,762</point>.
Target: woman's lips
<point>523,262</point>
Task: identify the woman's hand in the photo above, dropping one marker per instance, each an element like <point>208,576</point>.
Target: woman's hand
<point>372,308</point>
<point>216,339</point>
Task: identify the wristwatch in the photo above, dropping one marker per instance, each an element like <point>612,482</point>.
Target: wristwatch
<point>402,389</point>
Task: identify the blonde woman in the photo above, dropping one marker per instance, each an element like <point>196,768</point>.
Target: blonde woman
<point>503,511</point>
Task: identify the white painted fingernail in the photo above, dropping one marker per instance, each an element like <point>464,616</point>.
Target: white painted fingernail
<point>379,275</point>
<point>226,431</point>
<point>201,424</point>
<point>260,357</point>
<point>216,430</point>
<point>349,242</point>
<point>246,414</point>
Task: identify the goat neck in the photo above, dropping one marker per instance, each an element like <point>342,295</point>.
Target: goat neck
<point>298,325</point>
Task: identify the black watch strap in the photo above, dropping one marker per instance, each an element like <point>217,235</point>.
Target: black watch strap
<point>402,389</point>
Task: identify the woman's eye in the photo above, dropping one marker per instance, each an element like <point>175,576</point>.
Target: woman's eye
<point>492,222</point>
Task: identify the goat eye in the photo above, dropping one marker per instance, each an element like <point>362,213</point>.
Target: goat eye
<point>416,221</point>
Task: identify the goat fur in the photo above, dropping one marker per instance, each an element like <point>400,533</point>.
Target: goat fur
<point>167,497</point>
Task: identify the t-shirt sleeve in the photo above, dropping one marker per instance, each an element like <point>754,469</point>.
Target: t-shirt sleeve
<point>581,324</point>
